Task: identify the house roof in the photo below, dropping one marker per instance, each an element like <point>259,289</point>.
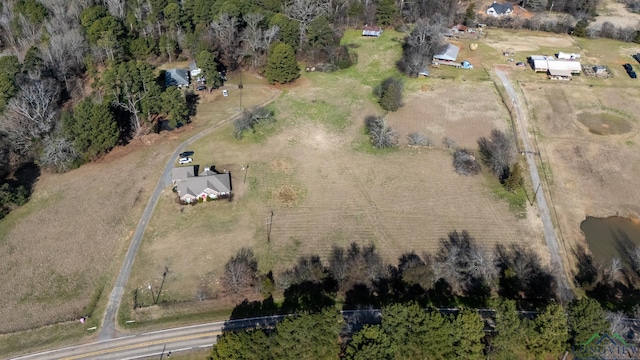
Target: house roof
<point>183,172</point>
<point>537,57</point>
<point>567,56</point>
<point>207,184</point>
<point>176,77</point>
<point>559,72</point>
<point>501,9</point>
<point>572,66</point>
<point>540,64</point>
<point>370,30</point>
<point>460,27</point>
<point>447,52</point>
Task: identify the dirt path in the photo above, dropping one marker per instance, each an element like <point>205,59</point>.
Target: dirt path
<point>108,329</point>
<point>522,124</point>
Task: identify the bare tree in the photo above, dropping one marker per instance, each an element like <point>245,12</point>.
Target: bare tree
<point>449,143</point>
<point>226,32</point>
<point>241,271</point>
<point>31,114</point>
<point>618,323</point>
<point>613,272</point>
<point>635,259</point>
<point>58,153</point>
<point>465,163</point>
<point>420,46</point>
<point>498,153</point>
<point>116,8</point>
<point>64,53</point>
<point>380,133</point>
<point>255,41</point>
<point>338,266</point>
<point>305,11</point>
<point>463,263</point>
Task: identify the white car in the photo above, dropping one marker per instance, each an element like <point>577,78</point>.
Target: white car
<point>186,160</point>
<point>225,93</point>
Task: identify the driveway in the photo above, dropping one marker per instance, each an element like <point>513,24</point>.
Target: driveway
<point>522,124</point>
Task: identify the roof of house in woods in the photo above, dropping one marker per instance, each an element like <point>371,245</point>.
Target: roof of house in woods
<point>501,9</point>
<point>447,52</point>
<point>176,77</point>
<point>371,30</point>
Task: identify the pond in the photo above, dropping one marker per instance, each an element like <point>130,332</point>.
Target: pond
<point>611,237</point>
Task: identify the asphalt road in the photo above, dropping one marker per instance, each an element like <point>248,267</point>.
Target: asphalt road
<point>153,343</point>
<point>522,124</point>
<point>108,329</point>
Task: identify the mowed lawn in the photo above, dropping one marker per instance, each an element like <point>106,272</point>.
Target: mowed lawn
<point>314,170</point>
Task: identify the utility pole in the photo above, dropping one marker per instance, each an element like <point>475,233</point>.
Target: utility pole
<point>246,168</point>
<point>153,297</point>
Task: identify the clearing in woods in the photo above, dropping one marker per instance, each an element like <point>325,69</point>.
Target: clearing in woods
<point>325,185</point>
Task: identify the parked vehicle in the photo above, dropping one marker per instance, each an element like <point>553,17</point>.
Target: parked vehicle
<point>632,74</point>
<point>186,153</point>
<point>185,161</point>
<point>225,93</point>
<point>201,88</point>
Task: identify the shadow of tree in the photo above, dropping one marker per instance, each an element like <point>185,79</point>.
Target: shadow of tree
<point>309,296</point>
<point>247,309</point>
<point>523,278</point>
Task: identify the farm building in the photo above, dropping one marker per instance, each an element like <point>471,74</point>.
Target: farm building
<point>498,10</point>
<point>448,52</point>
<point>541,63</point>
<point>559,74</point>
<point>566,56</point>
<point>369,30</point>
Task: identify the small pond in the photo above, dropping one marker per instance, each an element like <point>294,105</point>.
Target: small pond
<point>610,237</point>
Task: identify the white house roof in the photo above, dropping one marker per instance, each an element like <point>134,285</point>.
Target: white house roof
<point>540,64</point>
<point>448,52</point>
<point>537,57</point>
<point>559,72</point>
<point>567,56</point>
<point>572,66</point>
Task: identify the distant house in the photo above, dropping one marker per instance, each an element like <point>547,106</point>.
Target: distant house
<point>176,77</point>
<point>565,56</point>
<point>191,187</point>
<point>498,10</point>
<point>449,52</point>
<point>459,29</point>
<point>370,30</point>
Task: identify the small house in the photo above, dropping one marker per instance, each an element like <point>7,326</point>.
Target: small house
<point>370,30</point>
<point>208,185</point>
<point>448,52</point>
<point>499,10</point>
<point>176,77</point>
<point>566,56</point>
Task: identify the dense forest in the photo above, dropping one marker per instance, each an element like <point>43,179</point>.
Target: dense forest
<point>78,77</point>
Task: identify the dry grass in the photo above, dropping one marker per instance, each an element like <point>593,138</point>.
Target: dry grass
<point>593,174</point>
<point>69,240</point>
<point>323,192</point>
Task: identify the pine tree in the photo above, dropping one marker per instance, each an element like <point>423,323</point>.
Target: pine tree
<point>282,66</point>
<point>174,105</point>
<point>586,317</point>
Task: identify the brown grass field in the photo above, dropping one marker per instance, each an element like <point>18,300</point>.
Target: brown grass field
<point>84,219</point>
<point>325,185</point>
<point>315,170</point>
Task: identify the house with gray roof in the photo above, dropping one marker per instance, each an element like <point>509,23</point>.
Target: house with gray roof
<point>448,52</point>
<point>176,77</point>
<point>498,10</point>
<point>191,187</point>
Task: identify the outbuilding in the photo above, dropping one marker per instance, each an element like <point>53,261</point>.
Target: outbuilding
<point>449,52</point>
<point>370,30</point>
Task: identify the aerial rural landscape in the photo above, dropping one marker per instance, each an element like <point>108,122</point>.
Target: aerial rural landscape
<point>312,179</point>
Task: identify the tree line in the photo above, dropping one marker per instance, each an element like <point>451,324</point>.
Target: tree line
<point>406,330</point>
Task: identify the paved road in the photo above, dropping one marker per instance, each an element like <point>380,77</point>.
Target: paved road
<point>108,329</point>
<point>522,124</point>
<point>153,343</point>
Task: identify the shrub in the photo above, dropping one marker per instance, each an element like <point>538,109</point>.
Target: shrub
<point>389,94</point>
<point>418,139</point>
<point>382,136</point>
<point>465,163</point>
<point>251,118</point>
<point>498,152</point>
